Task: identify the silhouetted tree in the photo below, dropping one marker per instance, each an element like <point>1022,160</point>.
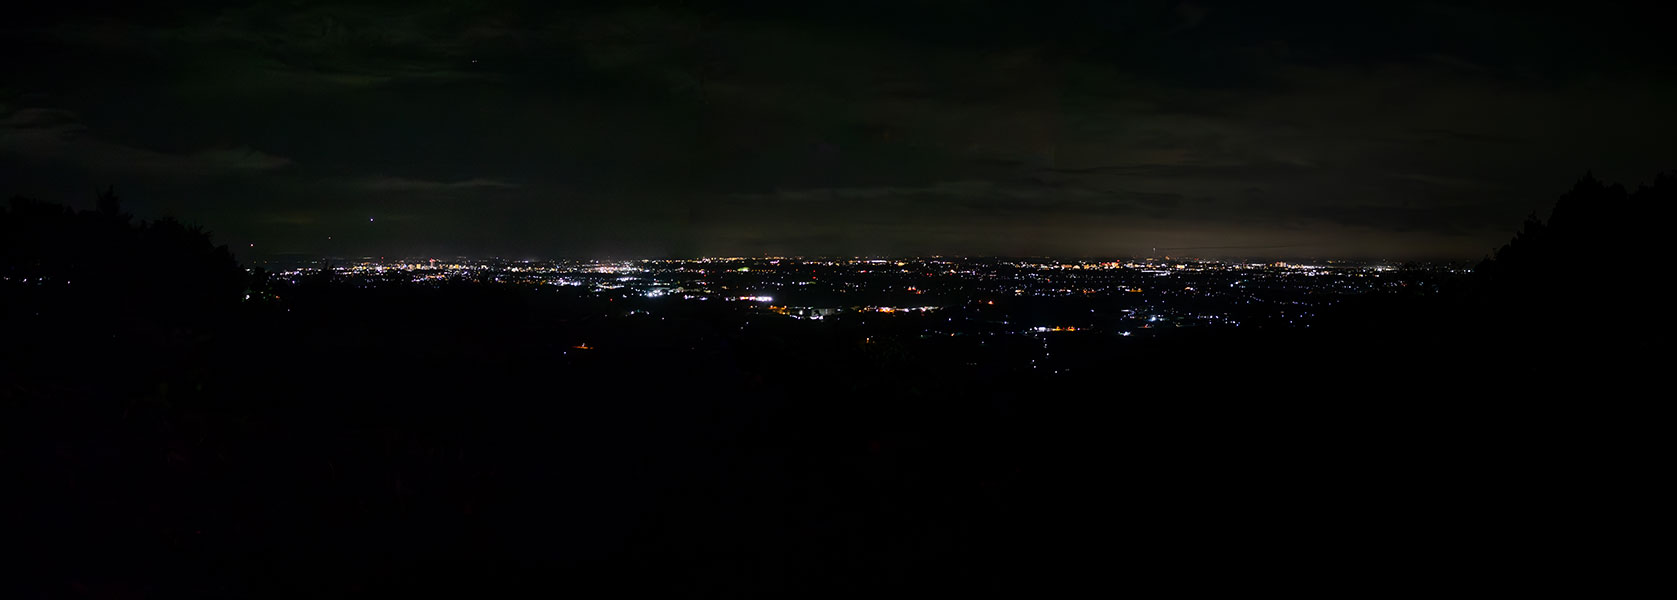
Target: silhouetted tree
<point>1574,291</point>
<point>98,261</point>
<point>1595,241</point>
<point>108,203</point>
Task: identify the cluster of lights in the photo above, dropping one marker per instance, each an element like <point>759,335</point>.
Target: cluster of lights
<point>897,309</point>
<point>1152,285</point>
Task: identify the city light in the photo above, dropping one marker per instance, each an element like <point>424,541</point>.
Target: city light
<point>1126,295</point>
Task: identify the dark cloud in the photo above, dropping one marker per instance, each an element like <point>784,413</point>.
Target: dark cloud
<point>32,135</point>
<point>403,184</point>
<point>1077,127</point>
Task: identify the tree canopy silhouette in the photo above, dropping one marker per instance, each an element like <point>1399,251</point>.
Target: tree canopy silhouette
<point>1594,230</point>
<point>1577,285</point>
<point>54,259</point>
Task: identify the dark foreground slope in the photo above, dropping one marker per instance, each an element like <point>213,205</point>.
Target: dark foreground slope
<point>176,441</point>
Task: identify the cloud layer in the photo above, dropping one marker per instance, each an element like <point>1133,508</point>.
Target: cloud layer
<point>1098,128</point>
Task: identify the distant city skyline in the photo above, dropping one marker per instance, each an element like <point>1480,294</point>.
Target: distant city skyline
<point>949,296</point>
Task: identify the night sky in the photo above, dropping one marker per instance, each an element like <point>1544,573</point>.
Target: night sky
<point>702,128</point>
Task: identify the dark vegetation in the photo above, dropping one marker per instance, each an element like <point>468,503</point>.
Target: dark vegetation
<point>170,438</point>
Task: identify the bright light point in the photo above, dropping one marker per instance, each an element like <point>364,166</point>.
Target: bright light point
<point>369,219</point>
